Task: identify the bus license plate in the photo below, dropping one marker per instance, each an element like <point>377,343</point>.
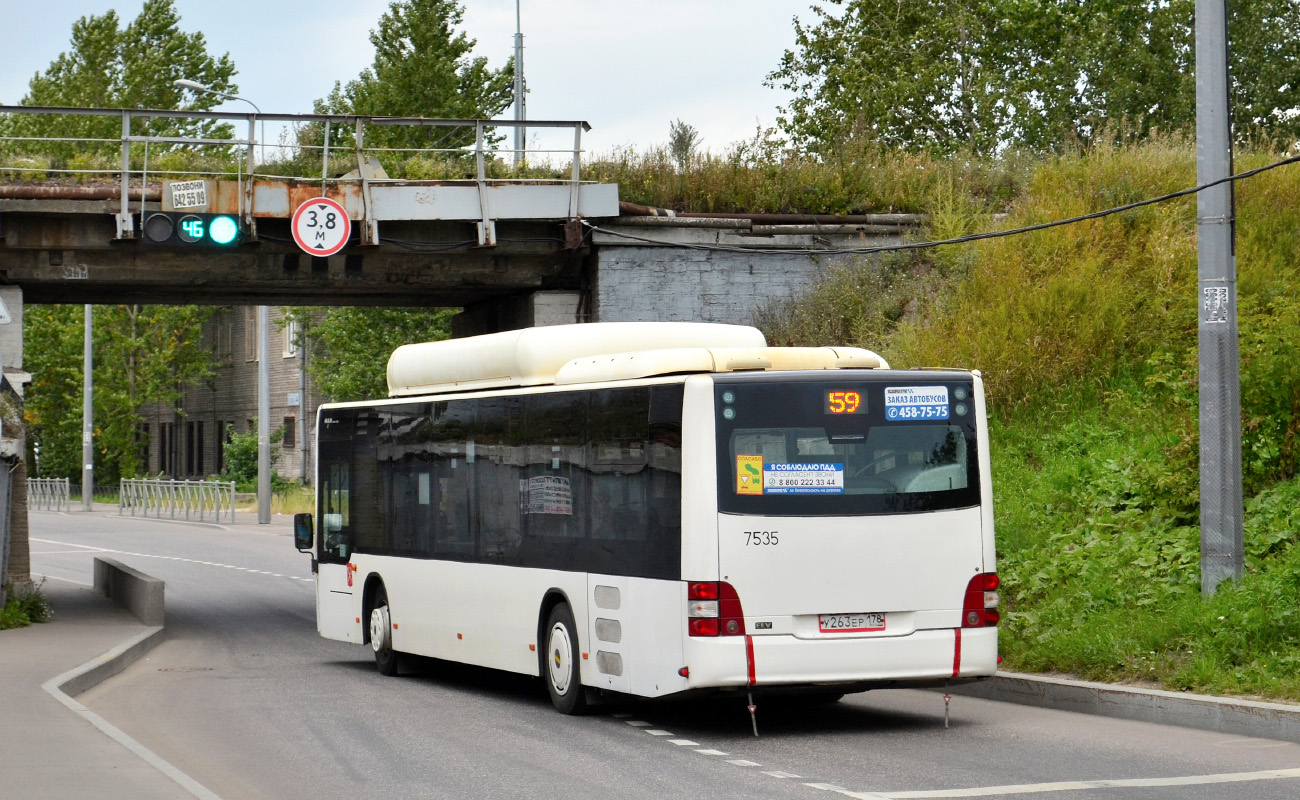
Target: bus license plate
<point>850,623</point>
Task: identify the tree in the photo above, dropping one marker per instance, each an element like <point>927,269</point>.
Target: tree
<point>132,67</point>
<point>142,355</point>
<point>422,68</point>
<point>959,74</point>
<point>683,140</point>
<point>352,345</point>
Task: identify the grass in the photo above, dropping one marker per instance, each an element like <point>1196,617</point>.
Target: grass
<point>290,500</point>
<point>1086,336</point>
<point>24,607</point>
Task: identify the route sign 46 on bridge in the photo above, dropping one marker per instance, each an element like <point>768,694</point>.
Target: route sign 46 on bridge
<point>321,226</point>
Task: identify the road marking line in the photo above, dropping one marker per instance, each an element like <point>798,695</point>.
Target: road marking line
<point>828,787</point>
<point>660,733</point>
<point>91,548</point>
<point>620,715</point>
<point>636,723</point>
<point>740,762</point>
<point>1074,786</point>
<point>711,752</point>
<point>779,774</point>
<point>684,743</point>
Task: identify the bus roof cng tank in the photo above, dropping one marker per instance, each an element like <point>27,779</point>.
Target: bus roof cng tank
<point>600,351</point>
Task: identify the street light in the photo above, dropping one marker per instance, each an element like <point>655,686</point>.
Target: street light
<point>195,86</point>
<point>263,349</point>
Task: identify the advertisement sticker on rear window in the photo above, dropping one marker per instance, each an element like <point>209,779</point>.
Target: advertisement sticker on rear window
<point>749,474</point>
<point>916,402</point>
<point>803,479</point>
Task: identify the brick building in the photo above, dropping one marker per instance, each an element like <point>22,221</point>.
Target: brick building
<point>188,442</point>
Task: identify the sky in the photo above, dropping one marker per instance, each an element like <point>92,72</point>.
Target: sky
<point>628,68</point>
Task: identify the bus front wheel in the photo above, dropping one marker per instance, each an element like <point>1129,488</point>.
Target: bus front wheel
<point>560,667</point>
<point>381,636</point>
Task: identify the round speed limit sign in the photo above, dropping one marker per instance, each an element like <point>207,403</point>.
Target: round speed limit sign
<point>321,226</point>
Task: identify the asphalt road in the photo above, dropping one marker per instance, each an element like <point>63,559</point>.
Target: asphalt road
<point>247,699</point>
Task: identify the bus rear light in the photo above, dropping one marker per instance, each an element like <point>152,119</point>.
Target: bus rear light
<point>980,609</point>
<point>713,609</point>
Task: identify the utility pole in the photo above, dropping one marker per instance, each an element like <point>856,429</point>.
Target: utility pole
<point>87,420</point>
<point>521,113</point>
<point>263,418</point>
<point>1218,356</point>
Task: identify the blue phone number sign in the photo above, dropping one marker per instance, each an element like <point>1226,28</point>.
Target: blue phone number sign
<point>916,402</point>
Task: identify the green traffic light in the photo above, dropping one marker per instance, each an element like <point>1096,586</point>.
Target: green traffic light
<point>222,230</point>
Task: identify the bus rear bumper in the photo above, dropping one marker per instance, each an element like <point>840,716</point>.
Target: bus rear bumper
<point>922,658</point>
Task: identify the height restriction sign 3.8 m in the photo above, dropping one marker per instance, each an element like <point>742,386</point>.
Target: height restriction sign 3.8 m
<point>321,226</point>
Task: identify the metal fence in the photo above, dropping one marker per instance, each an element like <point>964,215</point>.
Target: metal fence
<point>204,501</point>
<point>48,494</point>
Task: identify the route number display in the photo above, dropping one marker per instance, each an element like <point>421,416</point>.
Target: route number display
<point>321,226</point>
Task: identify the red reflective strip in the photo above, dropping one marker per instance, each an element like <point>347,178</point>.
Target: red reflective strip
<point>956,652</point>
<point>749,659</point>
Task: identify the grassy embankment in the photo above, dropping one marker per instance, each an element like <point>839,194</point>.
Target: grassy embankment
<point>1087,337</point>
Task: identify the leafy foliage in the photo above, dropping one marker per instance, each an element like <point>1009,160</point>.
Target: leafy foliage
<point>1046,74</point>
<point>24,606</point>
<point>142,355</point>
<point>1086,336</point>
<point>423,67</point>
<point>353,345</point>
<point>109,66</point>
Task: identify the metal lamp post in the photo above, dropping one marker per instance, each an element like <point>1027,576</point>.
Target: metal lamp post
<point>263,354</point>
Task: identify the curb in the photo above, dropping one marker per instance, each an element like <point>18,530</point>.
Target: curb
<point>1204,712</point>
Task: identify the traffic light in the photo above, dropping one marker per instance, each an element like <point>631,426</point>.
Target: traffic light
<point>178,229</point>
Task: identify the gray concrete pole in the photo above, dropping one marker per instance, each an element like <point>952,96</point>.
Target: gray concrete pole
<point>263,418</point>
<point>1220,378</point>
<point>87,419</point>
<point>521,113</point>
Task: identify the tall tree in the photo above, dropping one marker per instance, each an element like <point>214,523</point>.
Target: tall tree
<point>352,345</point>
<point>961,74</point>
<point>423,68</point>
<point>109,66</point>
<point>142,355</point>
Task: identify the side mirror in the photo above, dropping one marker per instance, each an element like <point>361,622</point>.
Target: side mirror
<point>302,532</point>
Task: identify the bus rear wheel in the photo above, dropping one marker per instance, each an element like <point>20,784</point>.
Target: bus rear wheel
<point>560,665</point>
<point>381,635</point>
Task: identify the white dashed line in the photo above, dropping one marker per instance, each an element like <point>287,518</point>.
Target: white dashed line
<point>684,743</point>
<point>711,752</point>
<point>636,723</point>
<point>659,733</point>
<point>828,787</point>
<point>740,762</point>
<point>779,774</point>
<point>1074,786</point>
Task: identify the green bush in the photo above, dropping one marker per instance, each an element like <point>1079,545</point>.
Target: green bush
<point>24,607</point>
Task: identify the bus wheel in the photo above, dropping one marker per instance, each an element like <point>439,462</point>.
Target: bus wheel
<point>560,667</point>
<point>381,636</point>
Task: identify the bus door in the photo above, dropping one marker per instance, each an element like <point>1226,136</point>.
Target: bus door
<point>337,603</point>
<point>844,513</point>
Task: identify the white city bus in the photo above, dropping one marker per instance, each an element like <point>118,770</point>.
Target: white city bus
<point>658,508</point>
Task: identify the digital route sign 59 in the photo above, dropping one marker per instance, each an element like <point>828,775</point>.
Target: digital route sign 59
<point>183,229</point>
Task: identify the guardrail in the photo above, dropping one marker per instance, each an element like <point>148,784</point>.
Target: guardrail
<point>49,494</point>
<point>322,140</point>
<point>204,501</point>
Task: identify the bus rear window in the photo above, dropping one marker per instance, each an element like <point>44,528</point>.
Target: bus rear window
<point>814,448</point>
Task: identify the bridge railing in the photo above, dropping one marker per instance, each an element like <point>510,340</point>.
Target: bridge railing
<point>49,494</point>
<point>427,149</point>
<point>202,501</point>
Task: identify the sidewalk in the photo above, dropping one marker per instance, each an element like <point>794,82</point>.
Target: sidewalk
<point>48,750</point>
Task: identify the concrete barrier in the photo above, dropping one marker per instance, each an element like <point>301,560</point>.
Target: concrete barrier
<point>131,589</point>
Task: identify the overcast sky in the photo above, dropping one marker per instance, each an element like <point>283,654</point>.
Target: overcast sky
<point>626,67</point>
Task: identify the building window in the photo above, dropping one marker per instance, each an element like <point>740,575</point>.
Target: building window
<point>290,440</point>
<point>291,329</point>
<point>250,333</point>
<point>225,333</point>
